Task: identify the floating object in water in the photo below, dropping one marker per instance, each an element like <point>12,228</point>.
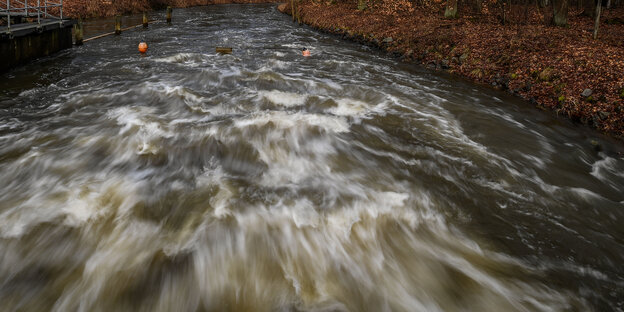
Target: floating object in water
<point>305,52</point>
<point>142,47</point>
<point>224,50</point>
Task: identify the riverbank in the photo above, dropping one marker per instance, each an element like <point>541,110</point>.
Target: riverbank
<point>86,8</point>
<point>559,69</point>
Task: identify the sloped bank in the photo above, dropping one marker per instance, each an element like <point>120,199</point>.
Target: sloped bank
<point>557,69</point>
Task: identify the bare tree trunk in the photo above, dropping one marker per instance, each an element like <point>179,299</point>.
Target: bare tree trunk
<point>361,5</point>
<point>370,4</point>
<point>608,4</point>
<point>451,9</point>
<point>539,11</point>
<point>505,11</point>
<point>597,22</point>
<point>560,12</point>
<point>479,5</point>
<point>589,7</point>
<point>292,9</point>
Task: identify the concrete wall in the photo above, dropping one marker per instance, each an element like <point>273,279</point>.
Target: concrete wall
<point>18,50</point>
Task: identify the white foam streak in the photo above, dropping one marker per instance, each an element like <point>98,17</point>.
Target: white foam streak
<point>287,99</point>
<point>284,120</point>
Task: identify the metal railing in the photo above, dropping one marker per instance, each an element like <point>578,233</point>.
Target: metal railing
<point>17,8</point>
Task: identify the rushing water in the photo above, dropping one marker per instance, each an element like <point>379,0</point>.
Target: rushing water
<point>260,181</point>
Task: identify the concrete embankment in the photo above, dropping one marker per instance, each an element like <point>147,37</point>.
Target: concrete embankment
<point>29,41</point>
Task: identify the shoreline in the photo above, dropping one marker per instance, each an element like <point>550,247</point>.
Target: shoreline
<point>86,9</point>
<point>543,79</point>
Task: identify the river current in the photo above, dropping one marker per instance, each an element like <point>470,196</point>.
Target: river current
<point>185,180</point>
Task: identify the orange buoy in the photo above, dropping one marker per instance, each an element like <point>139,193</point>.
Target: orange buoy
<point>142,47</point>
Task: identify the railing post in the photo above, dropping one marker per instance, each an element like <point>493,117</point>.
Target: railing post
<point>78,32</point>
<point>61,11</point>
<point>9,16</point>
<point>38,12</point>
<point>45,9</point>
<point>169,9</point>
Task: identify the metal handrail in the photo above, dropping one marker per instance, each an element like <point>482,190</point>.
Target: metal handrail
<point>41,11</point>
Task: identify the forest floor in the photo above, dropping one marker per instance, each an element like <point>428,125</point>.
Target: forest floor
<point>559,69</point>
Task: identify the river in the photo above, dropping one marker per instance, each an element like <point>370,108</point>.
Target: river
<point>184,180</point>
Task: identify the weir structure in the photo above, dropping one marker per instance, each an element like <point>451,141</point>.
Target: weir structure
<point>32,29</point>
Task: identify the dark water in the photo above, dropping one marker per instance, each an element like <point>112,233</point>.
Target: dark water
<point>262,181</point>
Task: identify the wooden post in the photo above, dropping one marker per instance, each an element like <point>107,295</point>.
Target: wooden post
<point>298,13</point>
<point>145,22</point>
<point>169,9</point>
<point>224,50</point>
<point>118,25</point>
<point>78,32</point>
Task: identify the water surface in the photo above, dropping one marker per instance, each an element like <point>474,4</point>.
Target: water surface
<point>185,180</point>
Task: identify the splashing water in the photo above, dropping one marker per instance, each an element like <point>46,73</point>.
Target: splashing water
<point>260,181</point>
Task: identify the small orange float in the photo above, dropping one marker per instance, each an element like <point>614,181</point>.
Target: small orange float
<point>142,47</point>
<point>305,52</point>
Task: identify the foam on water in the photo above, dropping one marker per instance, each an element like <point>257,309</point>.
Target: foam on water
<point>266,181</point>
<point>349,107</point>
<point>188,59</point>
<point>301,121</point>
<point>287,99</point>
